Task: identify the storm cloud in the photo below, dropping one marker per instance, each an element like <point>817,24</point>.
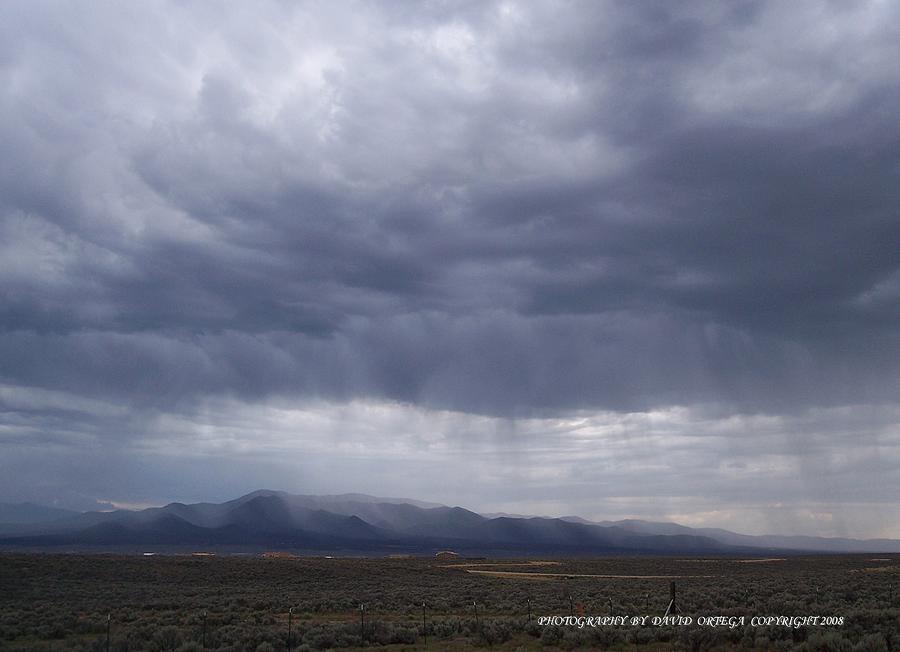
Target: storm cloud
<point>500,211</point>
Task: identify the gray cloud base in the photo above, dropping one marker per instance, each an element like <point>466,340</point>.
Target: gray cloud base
<point>508,210</point>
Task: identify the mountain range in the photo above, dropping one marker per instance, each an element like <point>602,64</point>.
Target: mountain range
<point>362,524</point>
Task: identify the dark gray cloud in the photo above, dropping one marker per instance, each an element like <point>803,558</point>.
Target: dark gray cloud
<point>512,210</point>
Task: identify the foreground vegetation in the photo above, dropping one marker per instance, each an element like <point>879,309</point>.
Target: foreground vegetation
<point>184,603</point>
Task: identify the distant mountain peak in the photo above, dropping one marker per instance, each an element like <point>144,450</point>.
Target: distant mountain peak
<point>360,522</point>
<point>346,497</point>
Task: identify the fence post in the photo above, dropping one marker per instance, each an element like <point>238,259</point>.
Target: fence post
<point>203,632</point>
<point>424,630</point>
<point>672,608</point>
<point>108,620</point>
<point>290,628</point>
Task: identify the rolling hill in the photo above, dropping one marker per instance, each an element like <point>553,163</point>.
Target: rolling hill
<point>361,524</point>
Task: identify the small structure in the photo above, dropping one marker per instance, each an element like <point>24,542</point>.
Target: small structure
<point>447,554</point>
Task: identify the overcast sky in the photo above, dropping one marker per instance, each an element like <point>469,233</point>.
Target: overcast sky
<point>614,259</point>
